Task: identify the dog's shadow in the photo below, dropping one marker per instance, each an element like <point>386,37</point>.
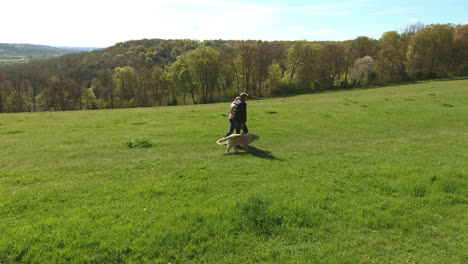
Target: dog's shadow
<point>259,153</point>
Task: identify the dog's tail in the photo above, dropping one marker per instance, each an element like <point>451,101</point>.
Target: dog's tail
<point>222,141</point>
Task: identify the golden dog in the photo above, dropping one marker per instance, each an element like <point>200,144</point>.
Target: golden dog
<point>238,140</point>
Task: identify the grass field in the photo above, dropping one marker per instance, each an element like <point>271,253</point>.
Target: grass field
<point>363,176</point>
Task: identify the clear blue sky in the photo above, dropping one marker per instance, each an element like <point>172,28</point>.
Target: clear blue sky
<point>102,23</point>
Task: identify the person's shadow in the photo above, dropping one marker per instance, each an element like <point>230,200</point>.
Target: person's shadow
<point>259,153</point>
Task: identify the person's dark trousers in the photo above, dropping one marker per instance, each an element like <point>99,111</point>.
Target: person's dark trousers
<point>245,130</point>
<point>234,125</point>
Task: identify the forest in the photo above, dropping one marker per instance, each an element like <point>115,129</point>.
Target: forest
<point>157,72</point>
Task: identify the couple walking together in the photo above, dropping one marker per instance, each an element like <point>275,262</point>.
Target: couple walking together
<point>238,115</point>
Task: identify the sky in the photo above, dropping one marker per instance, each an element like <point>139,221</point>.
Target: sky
<point>103,23</point>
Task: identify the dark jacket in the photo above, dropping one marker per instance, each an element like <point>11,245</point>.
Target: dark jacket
<point>238,110</point>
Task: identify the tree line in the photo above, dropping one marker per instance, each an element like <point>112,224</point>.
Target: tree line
<point>160,72</point>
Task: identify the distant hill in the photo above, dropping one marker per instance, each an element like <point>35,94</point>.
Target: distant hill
<point>12,53</point>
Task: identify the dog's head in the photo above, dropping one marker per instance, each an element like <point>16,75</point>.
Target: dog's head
<point>254,136</point>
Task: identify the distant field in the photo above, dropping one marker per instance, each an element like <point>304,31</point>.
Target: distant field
<point>24,59</point>
<point>23,53</point>
<point>14,59</point>
<point>363,176</point>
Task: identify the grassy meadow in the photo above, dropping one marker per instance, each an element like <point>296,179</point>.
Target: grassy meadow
<point>363,176</point>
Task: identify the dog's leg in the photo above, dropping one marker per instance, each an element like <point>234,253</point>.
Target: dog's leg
<point>231,146</point>
<point>246,148</point>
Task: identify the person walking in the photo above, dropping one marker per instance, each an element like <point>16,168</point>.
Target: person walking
<point>238,115</point>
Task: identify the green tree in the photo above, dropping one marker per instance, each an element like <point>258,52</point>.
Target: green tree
<point>430,53</point>
<point>125,81</point>
<point>301,65</point>
<point>3,79</point>
<point>17,99</point>
<point>158,84</point>
<point>391,58</point>
<point>89,99</point>
<point>461,49</point>
<point>262,60</point>
<point>56,94</point>
<point>12,99</point>
<point>181,79</point>
<point>297,54</point>
<point>38,80</point>
<point>105,86</point>
<point>75,92</point>
<point>308,71</point>
<point>354,49</point>
<point>332,64</point>
<point>204,67</point>
<point>365,46</point>
<point>275,75</point>
<point>232,75</point>
<point>245,63</point>
<point>142,87</point>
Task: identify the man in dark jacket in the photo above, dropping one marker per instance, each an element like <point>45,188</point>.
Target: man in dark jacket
<point>238,115</point>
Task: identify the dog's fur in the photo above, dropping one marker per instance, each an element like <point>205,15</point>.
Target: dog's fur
<point>238,140</point>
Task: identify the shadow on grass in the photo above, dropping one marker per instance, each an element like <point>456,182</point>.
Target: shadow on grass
<point>259,153</point>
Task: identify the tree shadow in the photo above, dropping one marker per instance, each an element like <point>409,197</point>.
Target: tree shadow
<point>259,153</point>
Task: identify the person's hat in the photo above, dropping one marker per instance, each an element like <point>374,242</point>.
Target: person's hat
<point>243,94</point>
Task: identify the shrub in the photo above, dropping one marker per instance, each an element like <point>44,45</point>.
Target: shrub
<point>139,143</point>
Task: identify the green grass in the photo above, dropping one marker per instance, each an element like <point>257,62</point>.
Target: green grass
<point>363,176</point>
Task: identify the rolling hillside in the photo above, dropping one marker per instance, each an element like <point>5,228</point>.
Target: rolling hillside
<point>362,176</point>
